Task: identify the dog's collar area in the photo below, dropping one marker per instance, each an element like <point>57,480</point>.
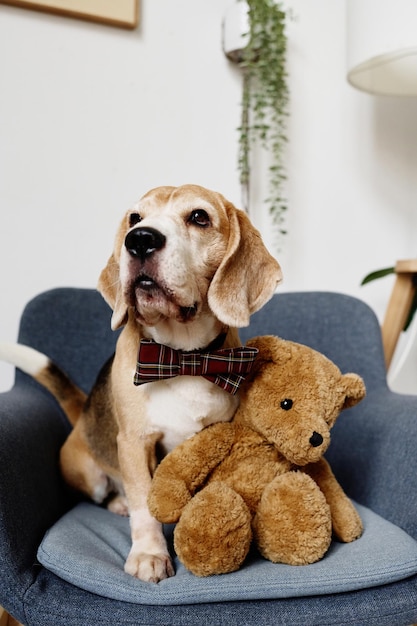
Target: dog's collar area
<point>217,343</point>
<point>226,368</point>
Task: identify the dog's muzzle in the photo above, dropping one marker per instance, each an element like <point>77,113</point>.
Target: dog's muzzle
<point>142,242</point>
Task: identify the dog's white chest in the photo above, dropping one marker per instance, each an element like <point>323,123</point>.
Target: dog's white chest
<point>181,406</point>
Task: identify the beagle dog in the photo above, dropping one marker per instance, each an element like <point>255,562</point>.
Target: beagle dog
<point>187,270</point>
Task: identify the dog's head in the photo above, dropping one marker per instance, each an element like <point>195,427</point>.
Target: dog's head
<point>181,251</point>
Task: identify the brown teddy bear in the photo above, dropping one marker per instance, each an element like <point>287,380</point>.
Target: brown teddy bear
<point>263,475</point>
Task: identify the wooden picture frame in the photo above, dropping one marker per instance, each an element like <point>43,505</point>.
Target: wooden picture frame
<point>122,13</point>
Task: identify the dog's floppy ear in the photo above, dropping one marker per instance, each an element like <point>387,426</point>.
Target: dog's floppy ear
<point>247,276</point>
<point>110,288</point>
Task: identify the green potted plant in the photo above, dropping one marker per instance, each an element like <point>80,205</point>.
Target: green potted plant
<point>264,105</point>
<point>386,272</point>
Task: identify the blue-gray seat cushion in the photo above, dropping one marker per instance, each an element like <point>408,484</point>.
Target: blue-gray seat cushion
<point>89,545</point>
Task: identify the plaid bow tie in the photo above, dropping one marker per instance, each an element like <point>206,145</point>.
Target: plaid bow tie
<point>226,368</point>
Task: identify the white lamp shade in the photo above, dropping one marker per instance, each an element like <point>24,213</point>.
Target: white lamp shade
<point>382,46</point>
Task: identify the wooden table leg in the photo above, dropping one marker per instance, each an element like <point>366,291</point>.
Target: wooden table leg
<point>7,620</point>
<point>398,306</point>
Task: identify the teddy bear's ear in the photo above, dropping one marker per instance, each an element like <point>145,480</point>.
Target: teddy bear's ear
<point>271,348</point>
<point>354,388</point>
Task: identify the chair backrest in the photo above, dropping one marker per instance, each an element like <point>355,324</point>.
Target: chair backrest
<point>72,326</point>
<point>344,328</point>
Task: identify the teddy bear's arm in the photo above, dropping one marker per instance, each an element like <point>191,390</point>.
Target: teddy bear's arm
<point>186,468</point>
<point>347,524</point>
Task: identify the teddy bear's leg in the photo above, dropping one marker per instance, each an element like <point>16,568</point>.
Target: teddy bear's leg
<point>293,523</point>
<point>346,522</point>
<point>214,532</point>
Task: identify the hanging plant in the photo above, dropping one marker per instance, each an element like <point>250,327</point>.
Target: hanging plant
<point>265,99</point>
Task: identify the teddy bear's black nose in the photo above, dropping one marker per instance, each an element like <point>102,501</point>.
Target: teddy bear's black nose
<point>316,439</point>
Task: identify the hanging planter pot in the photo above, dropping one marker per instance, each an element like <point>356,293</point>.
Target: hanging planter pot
<point>235,30</point>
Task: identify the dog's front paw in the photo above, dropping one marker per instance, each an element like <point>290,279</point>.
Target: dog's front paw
<point>151,568</point>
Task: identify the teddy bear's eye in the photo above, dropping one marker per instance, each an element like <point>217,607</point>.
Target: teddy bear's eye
<point>286,404</point>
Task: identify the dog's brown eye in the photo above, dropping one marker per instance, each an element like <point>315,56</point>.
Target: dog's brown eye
<point>286,404</point>
<point>134,218</point>
<point>200,218</point>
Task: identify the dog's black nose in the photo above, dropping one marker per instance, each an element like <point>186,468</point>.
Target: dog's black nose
<point>141,242</point>
<point>316,439</point>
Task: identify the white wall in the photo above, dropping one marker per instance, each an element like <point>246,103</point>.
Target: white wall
<point>91,117</point>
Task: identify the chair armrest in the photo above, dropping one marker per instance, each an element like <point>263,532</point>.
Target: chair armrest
<point>32,495</point>
<point>373,454</point>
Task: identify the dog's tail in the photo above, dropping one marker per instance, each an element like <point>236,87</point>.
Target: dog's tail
<point>70,397</point>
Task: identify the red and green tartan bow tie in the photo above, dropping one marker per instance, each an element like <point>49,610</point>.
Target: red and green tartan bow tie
<point>226,368</point>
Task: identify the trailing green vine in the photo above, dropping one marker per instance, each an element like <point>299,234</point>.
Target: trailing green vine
<point>265,99</point>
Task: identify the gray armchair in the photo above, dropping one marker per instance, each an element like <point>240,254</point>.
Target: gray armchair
<point>373,454</point>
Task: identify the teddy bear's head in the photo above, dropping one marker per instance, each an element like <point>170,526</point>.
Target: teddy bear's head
<point>293,397</point>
